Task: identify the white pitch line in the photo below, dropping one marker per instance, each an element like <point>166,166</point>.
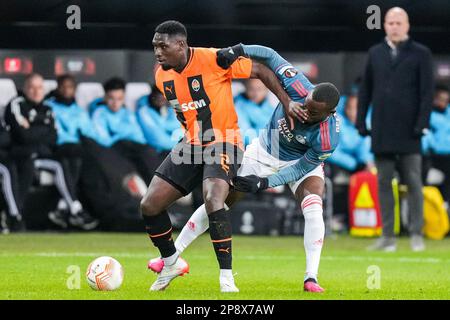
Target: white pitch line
<point>253,257</point>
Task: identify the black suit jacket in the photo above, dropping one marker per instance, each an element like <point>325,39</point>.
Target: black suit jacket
<point>400,91</point>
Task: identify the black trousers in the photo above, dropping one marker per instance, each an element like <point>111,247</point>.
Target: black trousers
<point>410,170</point>
<point>143,157</point>
<point>70,156</point>
<point>23,169</point>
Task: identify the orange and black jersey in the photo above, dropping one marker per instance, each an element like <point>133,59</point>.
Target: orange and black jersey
<point>202,98</point>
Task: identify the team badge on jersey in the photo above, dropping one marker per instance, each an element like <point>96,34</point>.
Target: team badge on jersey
<point>195,85</point>
<point>300,139</point>
<point>290,73</point>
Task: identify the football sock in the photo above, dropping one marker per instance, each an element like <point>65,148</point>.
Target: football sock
<point>309,279</point>
<point>197,224</point>
<point>159,229</point>
<point>226,273</point>
<point>171,260</point>
<point>75,207</point>
<point>220,232</point>
<point>314,233</point>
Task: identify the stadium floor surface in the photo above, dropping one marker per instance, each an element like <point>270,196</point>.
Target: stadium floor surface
<point>35,266</point>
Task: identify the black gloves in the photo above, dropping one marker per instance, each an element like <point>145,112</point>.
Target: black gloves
<point>226,56</point>
<point>251,184</point>
<point>363,131</point>
<point>419,132</point>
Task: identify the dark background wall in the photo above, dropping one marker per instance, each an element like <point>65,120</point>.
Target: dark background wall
<point>289,25</point>
<point>327,39</point>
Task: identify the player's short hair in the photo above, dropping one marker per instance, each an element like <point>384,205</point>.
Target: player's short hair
<point>65,77</point>
<point>172,28</point>
<point>441,87</point>
<point>326,92</point>
<point>114,84</point>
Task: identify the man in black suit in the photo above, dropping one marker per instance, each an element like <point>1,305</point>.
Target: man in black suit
<point>398,82</point>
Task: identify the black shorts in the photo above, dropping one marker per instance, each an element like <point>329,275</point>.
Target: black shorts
<point>187,166</point>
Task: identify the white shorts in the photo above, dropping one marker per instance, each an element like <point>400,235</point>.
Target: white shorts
<point>259,162</point>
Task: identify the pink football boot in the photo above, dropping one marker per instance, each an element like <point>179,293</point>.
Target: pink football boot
<point>156,264</point>
<point>310,285</point>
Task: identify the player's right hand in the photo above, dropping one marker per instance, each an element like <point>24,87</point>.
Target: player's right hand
<point>227,56</point>
<point>296,110</point>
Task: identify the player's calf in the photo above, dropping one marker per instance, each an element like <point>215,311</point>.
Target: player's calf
<point>314,233</point>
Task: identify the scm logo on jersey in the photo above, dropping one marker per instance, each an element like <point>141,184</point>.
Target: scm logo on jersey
<point>195,85</point>
<point>193,105</point>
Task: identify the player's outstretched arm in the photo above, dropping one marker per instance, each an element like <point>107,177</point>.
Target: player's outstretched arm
<point>269,79</point>
<point>287,175</point>
<point>269,59</point>
<point>308,162</point>
<point>292,108</point>
<point>265,55</point>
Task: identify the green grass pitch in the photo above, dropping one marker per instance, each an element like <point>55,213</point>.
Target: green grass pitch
<point>34,266</point>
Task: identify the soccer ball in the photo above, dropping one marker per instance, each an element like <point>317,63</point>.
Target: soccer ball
<point>104,274</point>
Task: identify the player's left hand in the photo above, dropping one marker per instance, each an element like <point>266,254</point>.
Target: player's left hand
<point>250,183</point>
<point>227,56</point>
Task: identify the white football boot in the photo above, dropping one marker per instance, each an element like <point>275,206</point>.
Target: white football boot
<point>227,285</point>
<point>168,273</point>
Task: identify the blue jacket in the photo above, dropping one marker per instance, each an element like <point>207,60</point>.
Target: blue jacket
<point>157,128</point>
<point>437,140</point>
<point>252,117</point>
<point>71,121</point>
<point>353,149</point>
<point>95,104</point>
<point>115,126</point>
<point>340,110</point>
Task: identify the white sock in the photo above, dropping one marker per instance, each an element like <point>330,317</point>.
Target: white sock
<point>197,224</point>
<point>62,205</point>
<point>314,233</point>
<point>171,260</point>
<point>226,274</point>
<point>75,207</point>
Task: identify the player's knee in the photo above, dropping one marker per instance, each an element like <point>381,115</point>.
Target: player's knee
<point>312,207</point>
<point>213,202</point>
<point>147,208</point>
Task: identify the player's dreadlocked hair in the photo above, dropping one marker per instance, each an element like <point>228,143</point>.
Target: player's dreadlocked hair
<point>328,93</point>
<point>172,27</point>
